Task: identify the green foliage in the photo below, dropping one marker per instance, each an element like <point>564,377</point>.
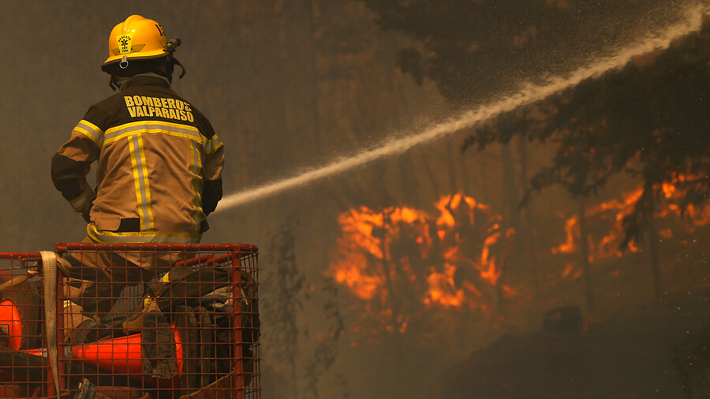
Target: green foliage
<point>285,283</point>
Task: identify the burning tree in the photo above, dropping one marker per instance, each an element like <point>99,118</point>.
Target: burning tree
<point>407,267</point>
<point>604,231</point>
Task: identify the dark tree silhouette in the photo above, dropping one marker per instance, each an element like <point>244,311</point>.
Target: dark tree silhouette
<point>649,119</point>
<point>477,49</point>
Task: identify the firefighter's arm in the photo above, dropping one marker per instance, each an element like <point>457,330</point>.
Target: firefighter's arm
<point>70,165</point>
<point>212,174</point>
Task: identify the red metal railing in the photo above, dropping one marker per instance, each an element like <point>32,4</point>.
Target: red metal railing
<point>134,320</point>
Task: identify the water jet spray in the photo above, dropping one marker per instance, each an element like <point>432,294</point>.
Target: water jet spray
<point>528,94</point>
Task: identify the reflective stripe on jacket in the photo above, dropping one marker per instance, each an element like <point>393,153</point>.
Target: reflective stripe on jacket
<point>159,165</point>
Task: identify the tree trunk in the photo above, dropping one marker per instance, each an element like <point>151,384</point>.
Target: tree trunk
<point>512,217</point>
<point>653,249</point>
<point>453,177</point>
<point>526,222</point>
<point>584,257</point>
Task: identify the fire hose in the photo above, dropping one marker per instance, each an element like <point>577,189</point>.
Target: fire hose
<point>49,282</point>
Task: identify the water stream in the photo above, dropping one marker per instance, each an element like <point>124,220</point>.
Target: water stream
<point>527,95</point>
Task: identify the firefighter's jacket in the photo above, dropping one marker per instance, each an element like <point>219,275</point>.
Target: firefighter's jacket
<point>159,165</point>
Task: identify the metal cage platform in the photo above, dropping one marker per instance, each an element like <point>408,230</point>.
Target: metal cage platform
<point>130,321</point>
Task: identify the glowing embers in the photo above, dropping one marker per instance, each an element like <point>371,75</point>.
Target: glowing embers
<point>679,190</point>
<point>399,253</point>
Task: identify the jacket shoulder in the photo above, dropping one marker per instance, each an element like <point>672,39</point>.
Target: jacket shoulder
<point>100,113</point>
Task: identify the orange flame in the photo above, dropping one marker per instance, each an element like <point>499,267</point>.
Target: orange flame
<point>371,262</point>
<point>572,230</point>
<point>488,266</point>
<point>442,289</point>
<point>352,274</point>
<point>616,210</point>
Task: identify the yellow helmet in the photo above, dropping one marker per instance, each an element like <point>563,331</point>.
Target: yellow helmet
<point>134,38</point>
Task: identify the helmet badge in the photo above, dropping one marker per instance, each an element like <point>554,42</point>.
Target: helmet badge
<point>125,43</point>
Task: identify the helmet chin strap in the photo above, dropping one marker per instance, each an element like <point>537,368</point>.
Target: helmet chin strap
<point>112,83</point>
<point>171,46</point>
<point>173,62</point>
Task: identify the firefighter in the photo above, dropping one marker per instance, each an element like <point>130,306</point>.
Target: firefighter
<point>158,163</point>
<point>159,160</point>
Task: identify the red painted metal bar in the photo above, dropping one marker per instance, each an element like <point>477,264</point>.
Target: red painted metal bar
<point>20,256</point>
<point>60,330</point>
<point>194,261</point>
<point>242,248</point>
<point>237,327</point>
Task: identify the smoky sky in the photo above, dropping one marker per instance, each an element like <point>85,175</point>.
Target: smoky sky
<point>286,85</point>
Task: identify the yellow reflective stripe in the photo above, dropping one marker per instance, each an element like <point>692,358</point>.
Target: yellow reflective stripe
<point>195,168</point>
<point>140,237</point>
<point>135,145</point>
<point>80,202</point>
<point>153,127</point>
<point>91,131</point>
<point>213,144</point>
<point>144,172</point>
<point>136,181</point>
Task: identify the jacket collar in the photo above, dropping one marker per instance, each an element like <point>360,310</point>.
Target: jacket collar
<point>144,79</point>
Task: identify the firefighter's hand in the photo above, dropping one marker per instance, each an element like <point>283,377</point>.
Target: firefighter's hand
<point>86,213</point>
<point>86,216</point>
